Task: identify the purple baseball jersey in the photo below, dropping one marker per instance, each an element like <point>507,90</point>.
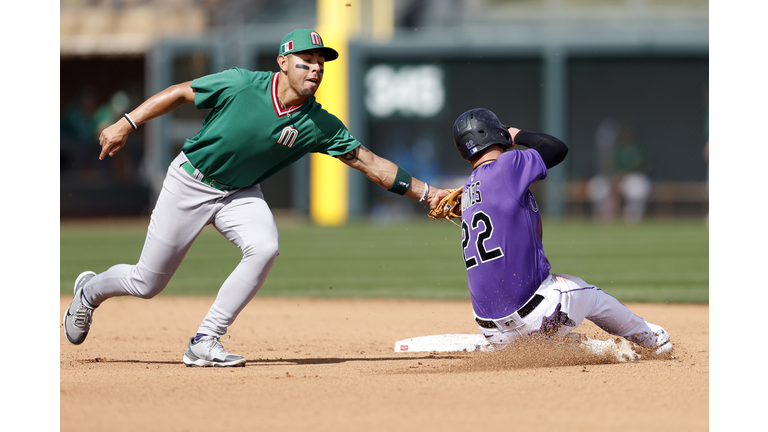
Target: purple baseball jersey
<point>501,233</point>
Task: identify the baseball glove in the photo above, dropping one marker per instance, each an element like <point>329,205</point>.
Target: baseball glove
<point>449,207</point>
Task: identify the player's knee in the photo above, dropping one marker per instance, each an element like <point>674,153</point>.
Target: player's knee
<point>150,292</point>
<point>147,284</point>
<point>266,250</point>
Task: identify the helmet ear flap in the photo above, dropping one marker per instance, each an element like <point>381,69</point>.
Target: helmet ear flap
<point>505,133</point>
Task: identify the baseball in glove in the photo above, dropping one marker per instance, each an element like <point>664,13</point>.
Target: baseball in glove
<point>449,207</point>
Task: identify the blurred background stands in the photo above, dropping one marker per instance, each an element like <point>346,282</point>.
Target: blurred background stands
<point>559,66</point>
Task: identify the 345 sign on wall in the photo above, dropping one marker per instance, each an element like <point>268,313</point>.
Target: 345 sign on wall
<point>407,91</point>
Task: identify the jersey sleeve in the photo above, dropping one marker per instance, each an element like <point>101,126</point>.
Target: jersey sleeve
<point>522,169</point>
<point>336,139</point>
<point>212,90</point>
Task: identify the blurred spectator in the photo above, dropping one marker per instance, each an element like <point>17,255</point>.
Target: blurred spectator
<point>423,155</point>
<point>621,181</point>
<point>417,155</point>
<point>632,176</point>
<point>81,122</point>
<point>599,188</point>
<point>121,168</point>
<point>109,112</point>
<point>77,132</point>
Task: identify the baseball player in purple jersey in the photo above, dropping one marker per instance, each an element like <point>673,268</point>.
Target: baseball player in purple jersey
<point>260,123</point>
<point>513,292</point>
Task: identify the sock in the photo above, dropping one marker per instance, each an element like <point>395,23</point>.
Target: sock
<point>198,337</point>
<point>82,296</point>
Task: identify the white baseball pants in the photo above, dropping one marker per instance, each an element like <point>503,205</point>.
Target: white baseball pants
<point>568,300</point>
<point>185,206</point>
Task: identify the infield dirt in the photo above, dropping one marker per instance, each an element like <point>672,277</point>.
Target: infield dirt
<point>330,365</point>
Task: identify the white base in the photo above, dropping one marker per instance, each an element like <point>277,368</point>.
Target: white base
<point>622,351</point>
<point>443,343</point>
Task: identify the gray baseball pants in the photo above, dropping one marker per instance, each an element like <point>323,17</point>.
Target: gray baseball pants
<point>185,206</point>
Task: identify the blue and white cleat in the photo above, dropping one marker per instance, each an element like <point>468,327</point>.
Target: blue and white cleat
<point>208,351</point>
<point>77,319</point>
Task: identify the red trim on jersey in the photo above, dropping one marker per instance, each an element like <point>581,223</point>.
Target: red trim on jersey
<point>276,101</point>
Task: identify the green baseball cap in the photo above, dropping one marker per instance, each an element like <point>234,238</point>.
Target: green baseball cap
<point>304,40</point>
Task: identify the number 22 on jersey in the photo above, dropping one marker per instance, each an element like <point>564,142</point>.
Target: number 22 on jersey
<point>482,226</point>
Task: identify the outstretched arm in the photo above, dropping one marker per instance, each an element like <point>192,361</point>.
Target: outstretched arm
<point>113,138</point>
<point>383,172</point>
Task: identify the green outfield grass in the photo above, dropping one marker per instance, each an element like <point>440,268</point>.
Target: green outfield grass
<point>656,261</point>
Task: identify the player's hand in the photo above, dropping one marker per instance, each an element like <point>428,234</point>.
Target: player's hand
<point>434,202</point>
<point>113,138</point>
<point>513,132</point>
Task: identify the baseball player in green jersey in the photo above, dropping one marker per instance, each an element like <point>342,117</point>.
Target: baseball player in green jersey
<point>259,123</point>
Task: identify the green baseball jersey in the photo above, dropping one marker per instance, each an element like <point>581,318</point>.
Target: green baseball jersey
<point>247,137</point>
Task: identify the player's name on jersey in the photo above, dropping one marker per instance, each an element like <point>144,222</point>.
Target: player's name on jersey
<point>471,196</point>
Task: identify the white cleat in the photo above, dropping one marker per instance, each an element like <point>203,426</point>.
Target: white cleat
<point>208,351</point>
<point>663,345</point>
<point>78,316</point>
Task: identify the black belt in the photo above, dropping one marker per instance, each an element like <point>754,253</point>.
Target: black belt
<point>522,312</point>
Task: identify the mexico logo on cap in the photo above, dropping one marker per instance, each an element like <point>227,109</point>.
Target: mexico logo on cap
<point>288,46</point>
<point>316,39</point>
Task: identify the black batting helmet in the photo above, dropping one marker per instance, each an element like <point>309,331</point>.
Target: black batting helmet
<point>478,129</point>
